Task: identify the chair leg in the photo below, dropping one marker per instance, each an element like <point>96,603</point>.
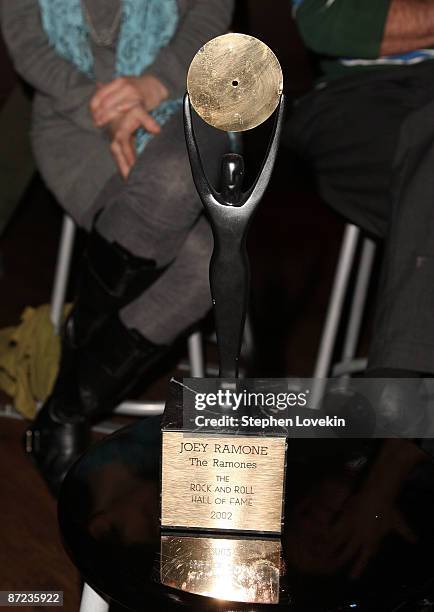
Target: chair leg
<point>63,264</point>
<point>196,356</point>
<point>140,409</point>
<point>247,346</point>
<point>359,300</point>
<point>334,311</point>
<point>92,602</point>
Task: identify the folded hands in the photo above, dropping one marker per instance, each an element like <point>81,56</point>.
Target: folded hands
<point>122,106</point>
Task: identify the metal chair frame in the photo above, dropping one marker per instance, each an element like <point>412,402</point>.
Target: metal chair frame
<point>348,363</point>
<point>91,601</point>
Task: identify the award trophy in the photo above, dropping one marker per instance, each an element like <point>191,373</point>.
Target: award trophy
<point>225,490</point>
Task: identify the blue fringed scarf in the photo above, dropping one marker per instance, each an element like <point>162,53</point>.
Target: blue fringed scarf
<point>147,26</point>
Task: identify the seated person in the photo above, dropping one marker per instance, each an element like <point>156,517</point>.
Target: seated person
<point>367,130</point>
<point>107,133</point>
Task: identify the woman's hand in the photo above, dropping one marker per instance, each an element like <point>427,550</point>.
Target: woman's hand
<point>124,93</point>
<point>123,129</point>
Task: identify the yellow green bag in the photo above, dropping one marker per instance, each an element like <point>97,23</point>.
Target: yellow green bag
<point>29,359</point>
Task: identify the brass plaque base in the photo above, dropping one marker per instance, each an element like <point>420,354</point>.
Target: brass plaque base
<point>245,570</point>
<point>222,482</point>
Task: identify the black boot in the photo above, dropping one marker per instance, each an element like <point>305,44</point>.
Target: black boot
<point>59,434</point>
<point>116,360</point>
<point>111,278</point>
<point>113,363</point>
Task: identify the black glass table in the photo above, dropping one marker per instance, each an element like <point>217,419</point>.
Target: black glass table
<point>109,517</point>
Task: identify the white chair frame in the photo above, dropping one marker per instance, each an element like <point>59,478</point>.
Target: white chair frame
<point>348,364</point>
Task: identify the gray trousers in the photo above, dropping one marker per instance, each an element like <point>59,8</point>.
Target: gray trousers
<point>157,214</point>
<point>370,141</point>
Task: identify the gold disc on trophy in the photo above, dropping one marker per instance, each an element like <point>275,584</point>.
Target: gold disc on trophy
<point>235,82</point>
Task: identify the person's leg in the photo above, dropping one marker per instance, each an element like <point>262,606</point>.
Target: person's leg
<point>351,133</point>
<point>181,296</point>
<point>159,204</point>
<point>127,348</point>
<point>76,164</point>
<point>403,335</point>
<point>371,142</point>
<point>347,132</point>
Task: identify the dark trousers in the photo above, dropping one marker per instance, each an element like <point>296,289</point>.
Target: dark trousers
<point>370,141</point>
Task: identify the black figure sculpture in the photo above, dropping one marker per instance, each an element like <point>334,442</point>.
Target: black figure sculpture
<point>230,212</point>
